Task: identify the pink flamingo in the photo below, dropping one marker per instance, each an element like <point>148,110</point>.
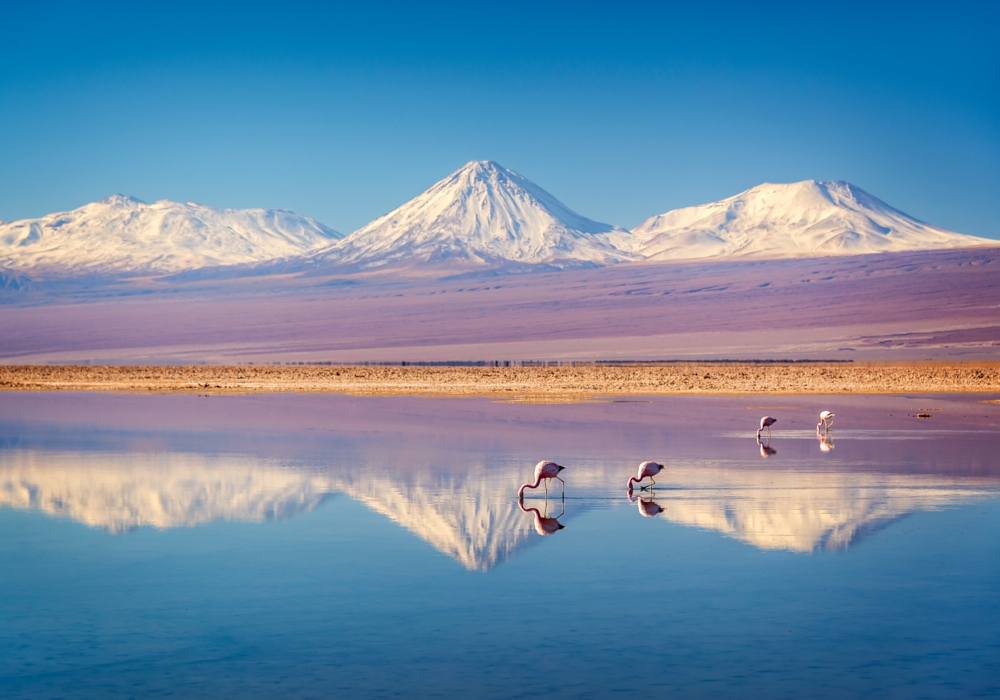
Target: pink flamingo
<point>766,422</point>
<point>647,508</point>
<point>543,525</point>
<point>543,472</point>
<point>649,469</point>
<point>825,421</point>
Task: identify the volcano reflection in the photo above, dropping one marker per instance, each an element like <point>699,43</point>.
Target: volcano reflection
<point>807,511</point>
<point>472,516</point>
<point>471,513</point>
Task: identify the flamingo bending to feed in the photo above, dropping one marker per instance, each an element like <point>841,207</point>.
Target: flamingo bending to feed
<point>543,472</point>
<point>825,420</point>
<point>766,422</point>
<point>649,469</point>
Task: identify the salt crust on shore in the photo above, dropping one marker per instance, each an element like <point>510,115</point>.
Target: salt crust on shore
<point>556,383</point>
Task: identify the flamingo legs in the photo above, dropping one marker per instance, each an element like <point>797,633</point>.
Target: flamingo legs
<point>545,482</point>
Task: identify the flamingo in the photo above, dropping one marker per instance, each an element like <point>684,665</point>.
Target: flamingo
<point>543,471</point>
<point>825,420</point>
<point>649,469</point>
<point>543,525</point>
<point>766,422</point>
<point>647,508</point>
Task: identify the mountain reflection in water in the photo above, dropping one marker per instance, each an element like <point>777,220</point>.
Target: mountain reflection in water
<point>806,511</point>
<point>471,515</point>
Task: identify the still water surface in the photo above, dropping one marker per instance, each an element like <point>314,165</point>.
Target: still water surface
<point>332,546</point>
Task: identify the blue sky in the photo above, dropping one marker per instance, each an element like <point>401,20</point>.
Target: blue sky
<point>621,110</point>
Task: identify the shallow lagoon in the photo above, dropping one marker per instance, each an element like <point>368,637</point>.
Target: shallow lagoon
<point>316,546</point>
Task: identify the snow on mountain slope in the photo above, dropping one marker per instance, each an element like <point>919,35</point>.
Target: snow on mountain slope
<point>122,234</point>
<point>482,215</point>
<point>801,219</point>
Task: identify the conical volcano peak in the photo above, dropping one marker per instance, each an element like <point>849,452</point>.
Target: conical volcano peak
<point>481,216</point>
<point>490,174</point>
<point>480,172</point>
<point>482,166</point>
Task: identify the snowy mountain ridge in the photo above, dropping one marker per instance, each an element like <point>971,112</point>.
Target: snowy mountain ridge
<point>122,234</point>
<point>482,217</point>
<point>797,220</point>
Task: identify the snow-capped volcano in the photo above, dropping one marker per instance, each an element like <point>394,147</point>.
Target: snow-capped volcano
<point>797,220</point>
<point>122,234</point>
<point>482,215</point>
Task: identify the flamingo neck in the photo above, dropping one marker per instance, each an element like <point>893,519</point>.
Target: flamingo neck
<point>520,493</point>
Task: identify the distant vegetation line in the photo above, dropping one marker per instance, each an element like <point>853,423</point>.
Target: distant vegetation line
<point>559,382</point>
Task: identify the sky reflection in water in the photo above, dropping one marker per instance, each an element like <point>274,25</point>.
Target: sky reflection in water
<point>245,546</point>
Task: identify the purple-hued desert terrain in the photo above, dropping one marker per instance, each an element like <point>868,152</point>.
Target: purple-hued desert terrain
<point>942,305</point>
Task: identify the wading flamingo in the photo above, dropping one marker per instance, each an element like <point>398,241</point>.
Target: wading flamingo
<point>544,525</point>
<point>766,422</point>
<point>648,508</point>
<point>825,420</point>
<point>649,469</point>
<point>543,472</point>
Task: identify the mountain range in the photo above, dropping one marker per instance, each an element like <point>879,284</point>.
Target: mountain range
<point>124,235</point>
<point>481,217</point>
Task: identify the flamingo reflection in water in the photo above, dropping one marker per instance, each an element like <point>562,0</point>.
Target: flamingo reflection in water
<point>646,470</point>
<point>543,524</point>
<point>765,448</point>
<point>544,471</point>
<point>648,508</point>
<point>825,441</point>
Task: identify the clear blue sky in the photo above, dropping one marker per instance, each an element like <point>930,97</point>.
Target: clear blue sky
<point>622,110</point>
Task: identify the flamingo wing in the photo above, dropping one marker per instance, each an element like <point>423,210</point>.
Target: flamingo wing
<point>547,470</point>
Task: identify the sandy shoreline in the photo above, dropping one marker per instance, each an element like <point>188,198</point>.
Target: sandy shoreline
<point>518,383</point>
